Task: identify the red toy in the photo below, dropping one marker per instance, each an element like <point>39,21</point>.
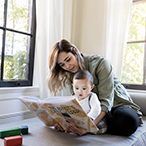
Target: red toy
<point>13,141</point>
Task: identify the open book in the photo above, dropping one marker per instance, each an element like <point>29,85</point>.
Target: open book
<point>61,110</point>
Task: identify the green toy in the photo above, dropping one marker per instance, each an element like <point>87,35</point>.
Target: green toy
<point>10,132</point>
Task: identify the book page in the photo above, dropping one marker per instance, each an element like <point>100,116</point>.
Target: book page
<point>66,109</point>
<point>33,104</point>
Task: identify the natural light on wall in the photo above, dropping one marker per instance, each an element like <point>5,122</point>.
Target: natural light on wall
<point>134,68</point>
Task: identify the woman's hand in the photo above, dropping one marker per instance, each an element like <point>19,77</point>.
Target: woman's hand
<point>72,128</point>
<point>58,127</point>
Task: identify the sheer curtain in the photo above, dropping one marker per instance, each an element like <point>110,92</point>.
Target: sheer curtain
<point>117,22</point>
<point>42,46</point>
<point>53,24</point>
<point>95,27</point>
<point>105,30</point>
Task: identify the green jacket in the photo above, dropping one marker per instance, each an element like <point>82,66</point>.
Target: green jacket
<point>109,90</point>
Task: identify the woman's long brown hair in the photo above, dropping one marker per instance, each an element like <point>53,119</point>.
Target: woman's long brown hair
<point>58,77</point>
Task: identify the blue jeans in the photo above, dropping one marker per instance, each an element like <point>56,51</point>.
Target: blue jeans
<point>122,120</point>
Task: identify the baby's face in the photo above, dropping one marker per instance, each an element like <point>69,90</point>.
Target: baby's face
<point>82,88</point>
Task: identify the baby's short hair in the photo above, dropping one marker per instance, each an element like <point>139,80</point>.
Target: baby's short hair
<point>83,74</point>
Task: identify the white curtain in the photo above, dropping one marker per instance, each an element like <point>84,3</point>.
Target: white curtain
<point>42,47</point>
<point>95,27</point>
<point>53,23</point>
<point>105,30</point>
<point>117,24</point>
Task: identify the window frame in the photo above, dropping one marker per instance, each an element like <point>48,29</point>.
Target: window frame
<point>137,86</point>
<point>19,83</point>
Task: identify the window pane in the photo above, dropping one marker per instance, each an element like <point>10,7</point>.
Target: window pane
<point>132,72</point>
<point>137,24</point>
<point>19,15</point>
<point>16,56</point>
<point>1,12</point>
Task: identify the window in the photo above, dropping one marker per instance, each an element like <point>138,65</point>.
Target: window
<point>17,42</point>
<point>134,68</point>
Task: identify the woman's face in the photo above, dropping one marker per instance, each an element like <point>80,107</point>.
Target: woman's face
<point>68,62</point>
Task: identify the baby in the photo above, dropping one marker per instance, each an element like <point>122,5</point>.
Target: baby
<point>82,86</point>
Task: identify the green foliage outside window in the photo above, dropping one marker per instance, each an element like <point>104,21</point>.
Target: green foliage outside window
<point>17,44</point>
<point>15,66</point>
<point>132,72</point>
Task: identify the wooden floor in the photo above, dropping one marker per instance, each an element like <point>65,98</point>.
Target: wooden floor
<point>40,135</point>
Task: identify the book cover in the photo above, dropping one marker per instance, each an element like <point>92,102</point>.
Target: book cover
<point>61,110</point>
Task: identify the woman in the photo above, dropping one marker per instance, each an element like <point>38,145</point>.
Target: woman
<point>117,107</point>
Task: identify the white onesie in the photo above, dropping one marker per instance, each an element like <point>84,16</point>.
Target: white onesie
<point>91,107</point>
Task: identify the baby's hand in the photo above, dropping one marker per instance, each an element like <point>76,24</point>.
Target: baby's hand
<point>72,128</point>
<point>58,127</point>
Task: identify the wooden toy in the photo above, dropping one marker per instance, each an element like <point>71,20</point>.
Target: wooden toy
<point>10,132</point>
<point>13,141</point>
<point>24,129</point>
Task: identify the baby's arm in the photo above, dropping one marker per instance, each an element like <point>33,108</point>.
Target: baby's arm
<point>95,107</point>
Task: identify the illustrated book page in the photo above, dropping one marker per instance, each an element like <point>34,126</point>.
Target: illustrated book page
<point>33,104</point>
<point>61,110</point>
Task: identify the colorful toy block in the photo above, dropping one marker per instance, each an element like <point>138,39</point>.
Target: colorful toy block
<point>24,129</point>
<point>13,141</point>
<point>10,132</point>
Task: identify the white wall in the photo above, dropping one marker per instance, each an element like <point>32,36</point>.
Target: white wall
<point>11,109</point>
<point>88,19</point>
